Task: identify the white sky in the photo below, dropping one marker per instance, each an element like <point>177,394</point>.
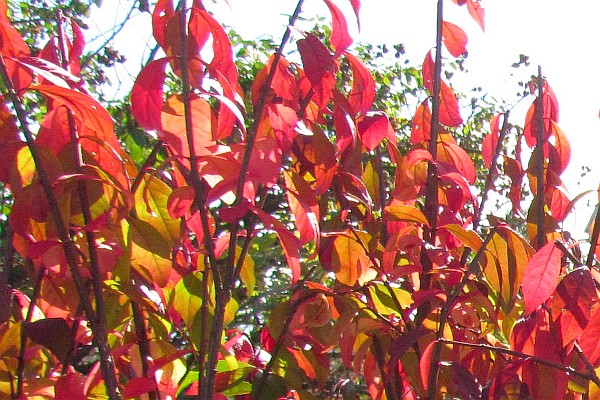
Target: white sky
<point>560,36</point>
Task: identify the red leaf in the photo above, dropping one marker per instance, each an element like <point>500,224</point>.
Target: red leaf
<point>562,146</point>
<point>76,48</point>
<point>283,121</point>
<point>147,95</point>
<point>356,8</point>
<point>490,141</point>
<point>86,109</point>
<point>425,363</point>
<point>340,37</point>
<point>138,386</point>
<point>373,128</point>
<point>180,201</point>
<point>201,25</point>
<point>163,12</point>
<point>454,38</point>
<point>457,157</point>
<point>174,125</point>
<point>344,123</point>
<point>52,333</point>
<point>590,339</point>
<point>289,243</point>
<point>572,304</point>
<point>477,12</point>
<point>304,206</point>
<point>541,276</point>
<point>319,67</point>
<point>449,109</point>
<point>362,93</point>
<point>559,205</point>
<point>265,161</point>
<point>70,386</point>
<point>13,45</point>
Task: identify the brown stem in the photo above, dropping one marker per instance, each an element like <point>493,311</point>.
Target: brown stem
<point>448,305</point>
<point>513,353</point>
<point>591,371</point>
<point>21,357</point>
<point>143,344</point>
<point>539,198</point>
<point>106,365</point>
<point>431,189</point>
<point>148,163</point>
<point>489,181</point>
<point>99,324</point>
<point>256,395</point>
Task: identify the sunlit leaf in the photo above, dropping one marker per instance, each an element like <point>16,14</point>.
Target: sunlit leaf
<point>319,67</point>
<point>362,93</point>
<point>340,37</point>
<point>151,205</point>
<point>150,253</point>
<point>541,276</point>
<point>454,38</point>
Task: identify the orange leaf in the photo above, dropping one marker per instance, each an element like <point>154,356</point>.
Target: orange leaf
<point>421,124</point>
<point>490,141</point>
<point>454,38</point>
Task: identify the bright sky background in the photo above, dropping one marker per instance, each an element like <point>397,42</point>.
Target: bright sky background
<point>560,36</point>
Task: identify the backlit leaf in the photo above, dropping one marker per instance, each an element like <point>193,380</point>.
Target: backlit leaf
<point>319,67</point>
<point>454,38</point>
<point>421,124</point>
<point>151,200</point>
<point>404,213</point>
<point>541,276</point>
<point>147,95</point>
<point>340,37</point>
<point>590,339</point>
<point>449,109</point>
<point>373,128</point>
<point>490,142</point>
<point>150,253</point>
<point>362,93</point>
<point>477,12</point>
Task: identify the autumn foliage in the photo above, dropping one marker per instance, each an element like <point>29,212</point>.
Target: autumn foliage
<point>400,284</point>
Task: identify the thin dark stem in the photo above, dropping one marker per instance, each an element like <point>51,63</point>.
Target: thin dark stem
<point>100,322</point>
<point>594,239</point>
<point>448,305</point>
<point>143,344</point>
<point>517,354</point>
<point>431,191</point>
<point>591,371</point>
<point>222,296</point>
<point>21,357</point>
<point>539,198</point>
<point>390,388</point>
<point>63,234</point>
<point>489,180</point>
<point>256,395</point>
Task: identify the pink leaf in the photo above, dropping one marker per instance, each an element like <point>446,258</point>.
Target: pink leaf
<point>541,276</point>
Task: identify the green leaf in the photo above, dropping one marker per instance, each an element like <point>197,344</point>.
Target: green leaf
<point>151,206</point>
<point>150,253</point>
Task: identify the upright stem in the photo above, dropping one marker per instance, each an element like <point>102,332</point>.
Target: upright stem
<point>100,322</point>
<point>431,190</point>
<point>539,210</point>
<point>106,365</point>
<point>489,180</point>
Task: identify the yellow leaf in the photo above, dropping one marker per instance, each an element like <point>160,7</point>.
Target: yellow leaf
<point>404,213</point>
